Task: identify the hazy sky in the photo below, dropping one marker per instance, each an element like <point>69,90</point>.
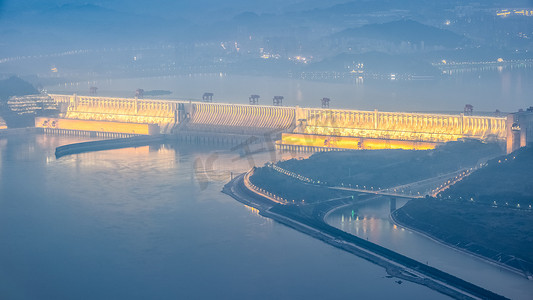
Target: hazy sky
<point>40,38</point>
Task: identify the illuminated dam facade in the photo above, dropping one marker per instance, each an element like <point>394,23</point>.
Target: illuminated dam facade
<point>122,110</point>
<point>382,130</point>
<point>293,128</point>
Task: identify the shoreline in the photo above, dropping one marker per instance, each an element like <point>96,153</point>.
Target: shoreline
<point>394,263</point>
<point>437,240</point>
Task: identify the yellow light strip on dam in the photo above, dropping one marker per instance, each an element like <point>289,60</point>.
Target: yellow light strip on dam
<point>342,142</point>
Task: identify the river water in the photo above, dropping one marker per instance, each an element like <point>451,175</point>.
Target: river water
<point>506,89</point>
<point>151,223</point>
<point>371,221</point>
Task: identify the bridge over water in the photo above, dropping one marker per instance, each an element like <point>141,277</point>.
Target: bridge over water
<point>293,128</point>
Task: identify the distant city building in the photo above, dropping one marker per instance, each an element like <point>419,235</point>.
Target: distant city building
<point>515,12</point>
<point>31,104</point>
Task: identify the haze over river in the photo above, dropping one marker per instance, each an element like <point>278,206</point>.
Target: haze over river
<point>487,89</point>
<point>151,223</point>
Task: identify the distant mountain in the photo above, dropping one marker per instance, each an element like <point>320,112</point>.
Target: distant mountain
<point>14,86</point>
<point>83,25</point>
<point>372,6</point>
<point>403,31</point>
<point>37,35</point>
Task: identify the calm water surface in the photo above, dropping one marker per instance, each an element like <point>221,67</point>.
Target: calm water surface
<point>371,220</point>
<point>151,223</point>
<point>507,89</point>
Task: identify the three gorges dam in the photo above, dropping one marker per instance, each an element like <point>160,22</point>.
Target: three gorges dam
<point>288,128</point>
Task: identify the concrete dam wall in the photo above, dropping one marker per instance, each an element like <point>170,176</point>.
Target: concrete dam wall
<point>325,127</point>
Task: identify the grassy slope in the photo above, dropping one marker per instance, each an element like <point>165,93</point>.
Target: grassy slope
<point>505,179</point>
<point>382,168</point>
<point>386,168</point>
<point>292,189</point>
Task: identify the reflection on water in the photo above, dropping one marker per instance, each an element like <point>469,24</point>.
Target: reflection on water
<point>368,221</point>
<point>371,221</point>
<point>138,224</point>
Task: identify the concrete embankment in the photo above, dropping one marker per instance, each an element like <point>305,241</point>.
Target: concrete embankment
<point>135,141</point>
<point>396,264</point>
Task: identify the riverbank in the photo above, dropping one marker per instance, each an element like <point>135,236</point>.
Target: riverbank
<point>484,227</point>
<point>394,263</point>
<point>487,214</point>
<point>394,220</point>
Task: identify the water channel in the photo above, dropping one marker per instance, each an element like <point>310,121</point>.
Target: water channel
<point>371,221</point>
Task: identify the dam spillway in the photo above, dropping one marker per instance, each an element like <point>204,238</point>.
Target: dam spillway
<point>293,128</point>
